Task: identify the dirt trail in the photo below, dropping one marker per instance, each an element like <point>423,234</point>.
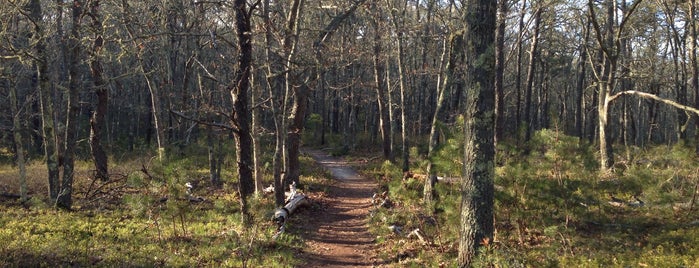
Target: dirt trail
<point>337,235</point>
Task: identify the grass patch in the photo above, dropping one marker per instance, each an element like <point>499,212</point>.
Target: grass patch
<point>144,219</point>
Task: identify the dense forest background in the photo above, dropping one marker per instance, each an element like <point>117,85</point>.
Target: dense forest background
<point>103,81</point>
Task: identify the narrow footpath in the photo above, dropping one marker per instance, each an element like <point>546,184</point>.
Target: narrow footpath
<point>337,235</point>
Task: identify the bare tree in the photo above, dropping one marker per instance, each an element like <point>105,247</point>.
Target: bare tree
<point>398,26</point>
<point>380,85</point>
<point>609,43</point>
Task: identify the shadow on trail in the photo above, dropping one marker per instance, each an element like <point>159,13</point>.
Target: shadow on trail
<point>337,234</point>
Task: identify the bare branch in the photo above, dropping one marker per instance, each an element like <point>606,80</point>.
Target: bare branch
<point>332,26</point>
<point>199,121</point>
<point>656,98</point>
<point>597,27</point>
<point>208,74</point>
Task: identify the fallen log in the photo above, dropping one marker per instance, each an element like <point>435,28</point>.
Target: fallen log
<point>283,213</point>
<point>13,196</point>
<point>293,202</point>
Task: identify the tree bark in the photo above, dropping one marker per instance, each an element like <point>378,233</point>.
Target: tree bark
<point>275,83</point>
<point>45,92</point>
<point>500,70</point>
<point>97,122</point>
<point>297,118</point>
<point>580,85</point>
<point>694,65</point>
<point>398,27</point>
<point>299,104</point>
<point>240,118</point>
<point>256,146</point>
<point>477,190</point>
<point>214,167</point>
<point>64,199</point>
<point>518,76</point>
<point>605,87</point>
<point>531,69</point>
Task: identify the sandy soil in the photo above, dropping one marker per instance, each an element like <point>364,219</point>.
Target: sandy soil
<point>337,234</point>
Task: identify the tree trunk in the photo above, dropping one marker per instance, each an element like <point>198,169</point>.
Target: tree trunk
<point>477,190</point>
<point>275,83</point>
<point>531,69</point>
<point>74,84</point>
<point>518,76</point>
<point>256,147</point>
<point>214,168</point>
<point>605,87</point>
<point>580,85</point>
<point>443,80</point>
<point>97,122</point>
<point>401,84</point>
<point>19,147</point>
<point>676,41</point>
<point>609,42</point>
<point>297,119</point>
<point>45,92</point>
<point>500,70</point>
<point>241,110</point>
<point>381,98</point>
<point>299,105</point>
<point>694,65</point>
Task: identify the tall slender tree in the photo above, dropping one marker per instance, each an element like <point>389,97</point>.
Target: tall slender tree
<point>580,83</point>
<point>382,98</point>
<point>97,122</point>
<point>240,119</point>
<point>443,79</point>
<point>74,89</point>
<point>398,26</point>
<point>300,93</point>
<point>19,147</point>
<point>45,93</point>
<point>500,69</point>
<point>694,63</point>
<point>529,122</point>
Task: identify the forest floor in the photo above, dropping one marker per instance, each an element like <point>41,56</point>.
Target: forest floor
<point>337,234</point>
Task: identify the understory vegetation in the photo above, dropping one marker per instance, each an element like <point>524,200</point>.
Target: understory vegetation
<point>551,207</point>
<point>145,217</point>
<point>552,210</point>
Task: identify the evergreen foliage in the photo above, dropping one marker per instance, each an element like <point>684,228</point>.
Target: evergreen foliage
<point>553,210</point>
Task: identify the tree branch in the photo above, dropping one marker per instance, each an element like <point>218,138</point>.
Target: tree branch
<point>199,121</point>
<point>656,98</point>
<point>597,27</point>
<point>332,26</point>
